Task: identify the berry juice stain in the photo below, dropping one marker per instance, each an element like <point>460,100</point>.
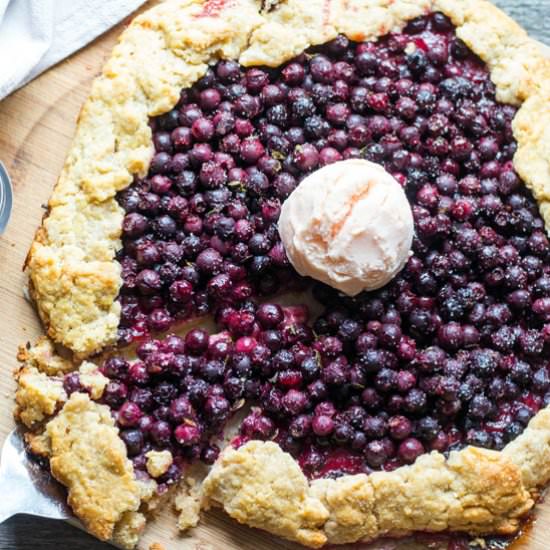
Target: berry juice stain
<point>213,8</point>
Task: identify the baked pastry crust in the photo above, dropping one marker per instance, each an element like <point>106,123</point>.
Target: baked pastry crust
<point>40,393</point>
<point>75,279</point>
<point>474,490</point>
<point>89,458</point>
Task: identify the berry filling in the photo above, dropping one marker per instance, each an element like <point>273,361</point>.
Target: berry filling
<point>453,351</point>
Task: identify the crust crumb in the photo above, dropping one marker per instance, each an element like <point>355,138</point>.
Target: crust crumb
<point>38,396</point>
<point>188,503</point>
<point>158,462</point>
<point>92,379</point>
<point>39,444</point>
<point>189,497</point>
<point>128,530</point>
<point>44,357</point>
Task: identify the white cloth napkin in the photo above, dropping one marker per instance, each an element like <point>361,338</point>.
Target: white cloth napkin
<point>36,34</point>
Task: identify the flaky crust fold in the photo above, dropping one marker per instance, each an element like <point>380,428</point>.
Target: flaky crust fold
<point>75,279</point>
<point>475,491</point>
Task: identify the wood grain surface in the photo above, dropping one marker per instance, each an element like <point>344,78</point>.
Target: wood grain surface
<point>36,127</point>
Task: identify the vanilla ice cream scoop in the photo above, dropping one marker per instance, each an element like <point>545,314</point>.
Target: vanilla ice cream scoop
<point>348,225</point>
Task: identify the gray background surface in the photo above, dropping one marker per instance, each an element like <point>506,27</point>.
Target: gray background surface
<point>25,533</point>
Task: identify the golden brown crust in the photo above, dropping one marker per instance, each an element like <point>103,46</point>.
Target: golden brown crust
<point>349,501</point>
<point>531,451</point>
<point>187,503</point>
<point>89,458</point>
<point>75,279</point>
<point>38,444</point>
<point>475,491</point>
<point>295,25</point>
<point>263,487</point>
<point>521,73</point>
<point>40,390</point>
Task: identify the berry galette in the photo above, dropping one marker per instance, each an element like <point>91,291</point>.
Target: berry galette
<point>296,266</point>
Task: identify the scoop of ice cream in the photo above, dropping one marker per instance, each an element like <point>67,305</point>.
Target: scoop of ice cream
<point>348,225</point>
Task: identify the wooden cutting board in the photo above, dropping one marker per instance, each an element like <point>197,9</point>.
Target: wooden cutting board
<point>36,128</point>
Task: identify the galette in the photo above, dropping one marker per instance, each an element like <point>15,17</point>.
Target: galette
<point>296,266</point>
